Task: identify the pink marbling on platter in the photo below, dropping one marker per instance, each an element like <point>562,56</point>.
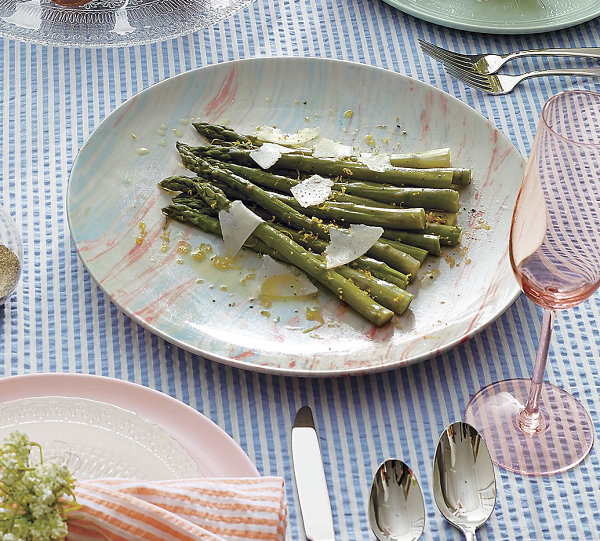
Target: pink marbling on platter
<point>110,239</point>
<point>150,272</point>
<point>223,98</point>
<point>152,311</point>
<point>124,110</point>
<point>382,334</point>
<point>244,356</point>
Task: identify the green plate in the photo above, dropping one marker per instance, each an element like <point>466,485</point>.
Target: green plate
<point>502,16</point>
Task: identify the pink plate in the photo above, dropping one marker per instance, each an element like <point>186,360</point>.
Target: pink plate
<point>214,451</point>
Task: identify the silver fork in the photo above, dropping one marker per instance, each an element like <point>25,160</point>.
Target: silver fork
<point>503,84</point>
<point>487,64</point>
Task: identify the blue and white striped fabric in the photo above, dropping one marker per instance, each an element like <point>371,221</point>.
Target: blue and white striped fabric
<point>59,321</point>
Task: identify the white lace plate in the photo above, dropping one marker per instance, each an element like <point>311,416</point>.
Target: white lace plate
<point>96,439</point>
<point>110,23</point>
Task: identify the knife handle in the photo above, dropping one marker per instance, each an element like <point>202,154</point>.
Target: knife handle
<point>311,485</point>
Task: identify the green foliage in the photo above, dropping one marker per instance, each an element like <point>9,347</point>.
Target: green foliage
<point>34,498</point>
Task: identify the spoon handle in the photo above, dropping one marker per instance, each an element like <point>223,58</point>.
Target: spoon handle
<point>470,535</point>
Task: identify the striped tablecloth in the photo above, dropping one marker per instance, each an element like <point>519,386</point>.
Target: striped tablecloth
<point>50,101</point>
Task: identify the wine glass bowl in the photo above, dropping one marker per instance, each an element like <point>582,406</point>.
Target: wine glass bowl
<point>557,261</point>
<point>533,427</point>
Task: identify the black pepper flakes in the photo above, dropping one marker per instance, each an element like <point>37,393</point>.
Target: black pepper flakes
<point>10,269</point>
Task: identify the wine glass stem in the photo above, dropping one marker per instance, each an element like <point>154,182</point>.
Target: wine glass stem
<point>530,419</point>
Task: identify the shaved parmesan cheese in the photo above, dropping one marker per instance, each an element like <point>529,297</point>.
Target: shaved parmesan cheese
<point>347,245</point>
<point>275,135</point>
<point>237,224</point>
<point>312,191</point>
<point>375,162</point>
<point>267,154</point>
<point>326,148</point>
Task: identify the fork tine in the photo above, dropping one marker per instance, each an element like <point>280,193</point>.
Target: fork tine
<point>470,76</point>
<point>467,82</point>
<point>457,62</point>
<point>439,52</point>
<point>433,54</point>
<point>480,82</point>
<point>433,51</point>
<point>463,75</point>
<point>451,59</point>
<point>459,76</point>
<point>474,85</point>
<point>434,47</point>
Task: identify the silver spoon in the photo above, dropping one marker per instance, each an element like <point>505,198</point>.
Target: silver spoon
<point>396,507</point>
<point>464,486</point>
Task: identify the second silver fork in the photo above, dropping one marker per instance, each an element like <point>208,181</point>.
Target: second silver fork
<point>503,84</point>
<point>488,64</point>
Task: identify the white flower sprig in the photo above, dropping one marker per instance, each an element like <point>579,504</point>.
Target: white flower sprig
<point>34,499</point>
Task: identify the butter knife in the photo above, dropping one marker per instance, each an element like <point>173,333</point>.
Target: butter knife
<point>310,478</point>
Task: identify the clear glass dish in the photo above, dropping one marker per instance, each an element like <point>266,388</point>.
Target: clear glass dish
<point>109,23</point>
<point>95,439</point>
<point>10,271</point>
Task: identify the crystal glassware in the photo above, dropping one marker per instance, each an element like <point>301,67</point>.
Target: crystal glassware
<point>11,255</point>
<point>109,23</point>
<point>531,426</point>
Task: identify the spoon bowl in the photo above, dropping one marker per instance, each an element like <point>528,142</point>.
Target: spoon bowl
<point>396,506</point>
<point>464,485</point>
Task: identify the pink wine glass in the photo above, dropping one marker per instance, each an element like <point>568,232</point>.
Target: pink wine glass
<point>531,426</point>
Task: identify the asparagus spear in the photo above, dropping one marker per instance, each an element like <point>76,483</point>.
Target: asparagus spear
<point>427,241</point>
<point>359,214</point>
<point>368,264</point>
<point>266,179</point>
<point>461,177</point>
<point>439,157</point>
<point>449,235</point>
<point>439,217</point>
<point>385,293</point>
<point>187,186</point>
<point>444,199</point>
<point>428,159</point>
<point>380,270</point>
<point>418,253</point>
<point>431,243</point>
<point>216,133</point>
<point>381,286</point>
<point>427,178</point>
<point>294,254</point>
<point>388,295</point>
<point>285,213</point>
<point>364,193</point>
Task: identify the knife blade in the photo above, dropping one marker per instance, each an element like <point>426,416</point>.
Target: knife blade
<point>310,478</point>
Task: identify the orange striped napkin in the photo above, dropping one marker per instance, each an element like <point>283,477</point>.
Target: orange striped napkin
<point>190,509</point>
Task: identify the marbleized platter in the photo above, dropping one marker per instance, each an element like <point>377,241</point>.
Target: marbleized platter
<point>113,190</point>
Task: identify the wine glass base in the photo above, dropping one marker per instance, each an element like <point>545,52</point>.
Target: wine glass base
<point>564,440</point>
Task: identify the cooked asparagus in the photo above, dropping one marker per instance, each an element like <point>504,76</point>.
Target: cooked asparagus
<point>294,254</point>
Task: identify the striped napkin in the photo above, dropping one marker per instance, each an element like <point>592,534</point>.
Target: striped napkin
<point>190,509</point>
